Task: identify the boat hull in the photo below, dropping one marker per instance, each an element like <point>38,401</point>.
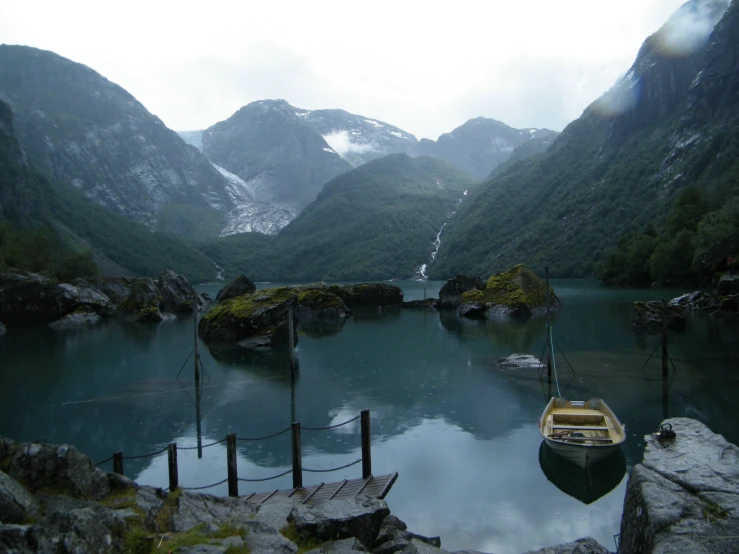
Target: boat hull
<point>581,455</point>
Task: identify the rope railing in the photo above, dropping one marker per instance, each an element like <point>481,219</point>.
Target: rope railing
<point>105,461</point>
<point>233,479</point>
<point>333,468</point>
<point>327,427</point>
<point>256,480</point>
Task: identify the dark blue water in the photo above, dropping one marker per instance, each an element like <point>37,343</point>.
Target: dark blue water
<point>461,432</point>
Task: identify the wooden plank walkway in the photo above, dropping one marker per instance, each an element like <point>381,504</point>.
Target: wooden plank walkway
<point>374,487</point>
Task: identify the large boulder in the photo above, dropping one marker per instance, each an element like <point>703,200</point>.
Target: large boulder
<point>238,287</point>
<point>339,519</point>
<point>648,317</point>
<point>450,295</point>
<point>57,467</point>
<point>143,302</point>
<point>17,505</point>
<point>728,284</point>
<point>31,299</point>
<point>254,321</point>
<point>517,292</point>
<point>368,295</point>
<point>177,293</point>
<point>82,317</point>
<point>585,545</point>
<point>684,496</point>
<point>320,304</point>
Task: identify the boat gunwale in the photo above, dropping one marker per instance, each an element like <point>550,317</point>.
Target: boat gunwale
<point>606,411</point>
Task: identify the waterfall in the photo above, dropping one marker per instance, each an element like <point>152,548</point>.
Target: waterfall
<point>421,271</point>
<point>219,274</point>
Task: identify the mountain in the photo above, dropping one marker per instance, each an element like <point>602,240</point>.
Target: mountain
<point>38,209</point>
<point>282,159</point>
<point>620,165</point>
<point>378,221</point>
<point>90,134</point>
<point>479,145</point>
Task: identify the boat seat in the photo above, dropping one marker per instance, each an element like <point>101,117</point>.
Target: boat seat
<point>580,427</point>
<point>568,438</point>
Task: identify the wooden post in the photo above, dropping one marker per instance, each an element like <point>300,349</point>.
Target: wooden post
<point>291,339</point>
<point>233,478</point>
<point>198,426</point>
<point>172,459</point>
<point>118,463</point>
<point>664,340</point>
<point>366,449</point>
<point>549,330</point>
<point>297,457</point>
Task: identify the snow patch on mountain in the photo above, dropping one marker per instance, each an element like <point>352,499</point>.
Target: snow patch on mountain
<point>343,144</point>
<point>373,122</point>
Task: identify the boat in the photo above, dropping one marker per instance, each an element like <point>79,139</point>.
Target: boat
<point>586,485</point>
<point>581,431</point>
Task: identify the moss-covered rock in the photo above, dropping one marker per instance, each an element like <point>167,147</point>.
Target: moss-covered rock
<point>319,304</point>
<point>451,294</point>
<point>177,293</point>
<point>368,295</point>
<point>142,297</point>
<point>256,321</point>
<point>517,292</point>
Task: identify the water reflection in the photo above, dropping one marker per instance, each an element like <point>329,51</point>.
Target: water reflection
<point>587,485</point>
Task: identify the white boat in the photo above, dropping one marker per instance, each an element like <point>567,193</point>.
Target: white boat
<point>583,432</point>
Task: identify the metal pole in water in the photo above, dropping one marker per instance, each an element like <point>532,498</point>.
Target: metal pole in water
<point>291,339</point>
<point>665,369</point>
<point>549,332</point>
<point>195,337</point>
<point>198,394</point>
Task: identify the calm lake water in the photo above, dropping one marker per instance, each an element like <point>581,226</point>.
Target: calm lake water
<point>461,432</point>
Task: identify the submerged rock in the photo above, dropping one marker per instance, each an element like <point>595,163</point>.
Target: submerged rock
<point>684,496</point>
<point>238,287</point>
<point>425,304</point>
<point>520,361</point>
<point>82,317</point>
<point>517,292</point>
<point>648,317</point>
<point>254,321</point>
<point>368,295</point>
<point>450,295</point>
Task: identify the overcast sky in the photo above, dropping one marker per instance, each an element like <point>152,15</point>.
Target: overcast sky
<point>426,67</point>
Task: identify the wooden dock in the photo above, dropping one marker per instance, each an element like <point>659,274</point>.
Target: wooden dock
<point>373,486</point>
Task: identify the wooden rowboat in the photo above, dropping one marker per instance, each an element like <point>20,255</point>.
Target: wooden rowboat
<point>583,432</point>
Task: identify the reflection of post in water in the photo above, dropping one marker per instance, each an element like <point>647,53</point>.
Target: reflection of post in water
<point>198,394</point>
<point>293,368</point>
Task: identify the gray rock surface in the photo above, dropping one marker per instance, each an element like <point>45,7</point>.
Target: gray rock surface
<point>416,546</point>
<point>238,287</point>
<point>340,519</point>
<point>76,320</point>
<point>345,546</point>
<point>177,293</point>
<point>728,284</point>
<point>426,303</point>
<point>697,300</point>
<point>17,505</point>
<point>684,496</point>
<point>270,542</point>
<point>580,546</point>
<point>648,317</point>
<point>192,509</point>
<point>450,295</point>
<point>38,466</point>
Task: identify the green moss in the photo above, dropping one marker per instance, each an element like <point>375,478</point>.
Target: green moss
<point>243,307</point>
<point>164,517</point>
<point>138,541</point>
<point>714,513</point>
<point>238,550</point>
<point>122,499</point>
<point>229,530</point>
<point>318,299</point>
<point>304,545</point>
<point>518,285</point>
<point>473,295</point>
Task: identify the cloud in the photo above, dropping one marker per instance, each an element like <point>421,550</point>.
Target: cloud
<point>688,29</point>
<point>343,144</point>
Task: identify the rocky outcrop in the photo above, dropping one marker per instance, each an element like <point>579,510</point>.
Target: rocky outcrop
<point>684,496</point>
<point>368,295</point>
<point>697,301</point>
<point>648,317</point>
<point>426,303</point>
<point>728,284</point>
<point>143,303</point>
<point>238,287</point>
<point>450,295</point>
<point>256,321</point>
<point>31,299</point>
<point>80,318</point>
<point>517,292</point>
<point>177,293</point>
<point>320,304</point>
<point>585,545</point>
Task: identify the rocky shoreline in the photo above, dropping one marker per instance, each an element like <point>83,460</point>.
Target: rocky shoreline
<point>684,497</point>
